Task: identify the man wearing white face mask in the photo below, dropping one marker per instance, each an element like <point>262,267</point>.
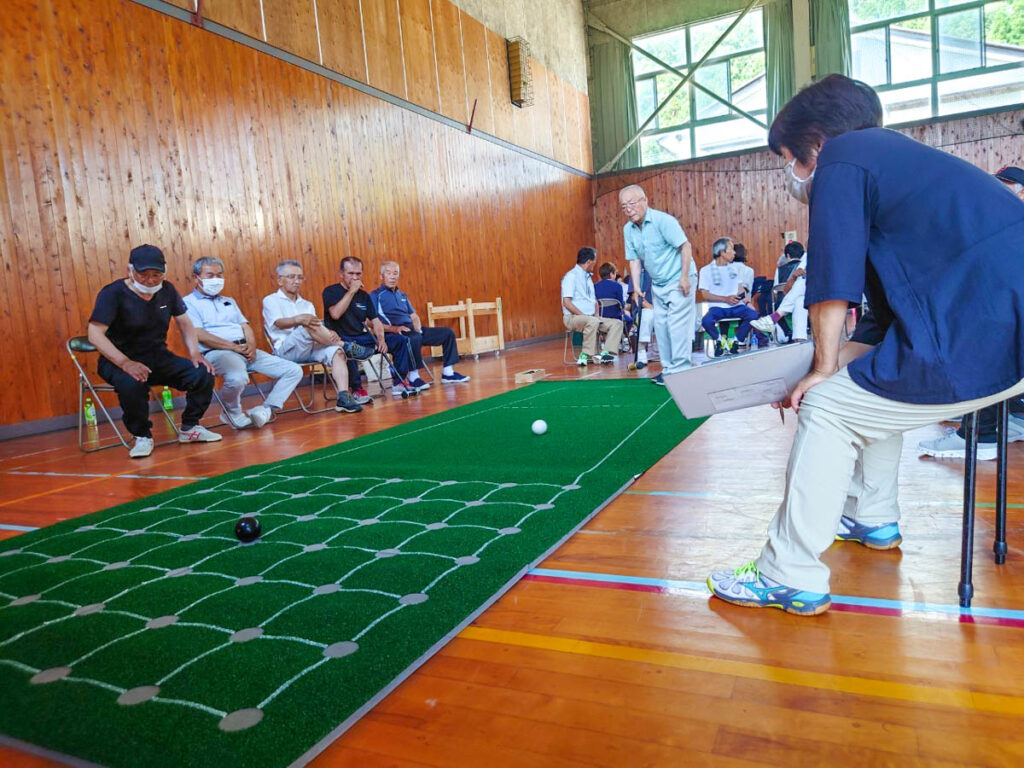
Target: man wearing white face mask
<point>129,328</point>
<point>914,229</point>
<point>228,342</point>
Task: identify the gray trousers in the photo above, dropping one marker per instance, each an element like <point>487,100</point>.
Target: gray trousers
<point>236,369</point>
<point>674,316</point>
<point>845,458</point>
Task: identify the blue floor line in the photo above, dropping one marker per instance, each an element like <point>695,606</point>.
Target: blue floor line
<point>10,527</point>
<point>737,497</point>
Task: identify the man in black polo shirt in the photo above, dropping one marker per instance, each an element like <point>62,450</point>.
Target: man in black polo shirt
<point>348,310</point>
<point>129,328</point>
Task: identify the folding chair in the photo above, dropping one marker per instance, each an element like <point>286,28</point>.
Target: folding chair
<point>312,369</point>
<point>573,339</point>
<point>82,345</point>
<point>965,589</point>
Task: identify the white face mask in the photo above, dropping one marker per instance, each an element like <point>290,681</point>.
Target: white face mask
<point>149,290</point>
<point>799,189</point>
<point>212,286</point>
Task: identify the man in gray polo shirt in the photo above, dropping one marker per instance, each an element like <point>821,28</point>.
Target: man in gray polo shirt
<point>656,243</point>
<point>227,341</point>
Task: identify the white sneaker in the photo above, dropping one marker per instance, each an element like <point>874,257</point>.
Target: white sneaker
<point>142,448</point>
<point>236,420</point>
<point>198,434</point>
<point>260,415</point>
<point>763,324</point>
<point>952,446</point>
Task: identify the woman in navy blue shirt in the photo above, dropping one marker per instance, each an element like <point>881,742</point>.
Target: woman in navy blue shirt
<point>917,231</point>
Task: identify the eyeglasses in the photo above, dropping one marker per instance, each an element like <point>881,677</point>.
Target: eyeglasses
<point>299,278</point>
<point>628,204</point>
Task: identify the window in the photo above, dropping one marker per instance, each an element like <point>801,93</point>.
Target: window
<point>693,122</point>
<point>928,58</point>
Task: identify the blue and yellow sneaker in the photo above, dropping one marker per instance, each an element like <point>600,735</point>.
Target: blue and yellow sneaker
<point>886,536</point>
<point>750,588</point>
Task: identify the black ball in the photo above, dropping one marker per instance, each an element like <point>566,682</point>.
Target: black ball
<point>248,529</point>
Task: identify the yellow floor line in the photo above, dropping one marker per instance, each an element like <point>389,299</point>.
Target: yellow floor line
<point>920,694</point>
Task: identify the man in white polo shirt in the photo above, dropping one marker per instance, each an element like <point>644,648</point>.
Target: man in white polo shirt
<point>227,341</point>
<point>298,334</point>
<point>657,244</point>
<point>579,311</point>
<point>721,285</point>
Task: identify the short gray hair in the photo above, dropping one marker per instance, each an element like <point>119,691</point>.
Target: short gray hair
<point>720,246</point>
<point>287,263</point>
<point>390,264</point>
<point>205,261</point>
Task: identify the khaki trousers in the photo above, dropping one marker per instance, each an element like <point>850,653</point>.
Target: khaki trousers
<point>844,459</point>
<point>589,325</point>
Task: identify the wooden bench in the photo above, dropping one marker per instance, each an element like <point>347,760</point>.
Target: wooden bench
<point>466,313</point>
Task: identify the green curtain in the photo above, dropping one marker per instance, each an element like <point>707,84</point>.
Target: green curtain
<point>830,30</point>
<point>780,68</point>
<point>612,101</point>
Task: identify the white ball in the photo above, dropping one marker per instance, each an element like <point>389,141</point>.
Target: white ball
<point>539,427</point>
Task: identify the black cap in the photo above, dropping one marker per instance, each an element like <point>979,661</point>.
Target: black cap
<point>146,257</point>
<point>1011,174</point>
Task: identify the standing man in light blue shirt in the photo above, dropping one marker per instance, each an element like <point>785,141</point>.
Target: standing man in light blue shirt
<point>227,341</point>
<point>656,243</point>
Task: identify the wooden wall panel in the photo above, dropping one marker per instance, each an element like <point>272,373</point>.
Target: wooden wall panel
<point>451,70</point>
<point>542,142</point>
<point>119,125</point>
<point>744,196</point>
<point>556,114</point>
<point>188,5</point>
<point>478,79</point>
<point>292,26</point>
<point>418,50</point>
<point>586,143</point>
<point>501,99</point>
<point>341,37</point>
<point>242,15</point>
<point>382,34</point>
<point>571,107</point>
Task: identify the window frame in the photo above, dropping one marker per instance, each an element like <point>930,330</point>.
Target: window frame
<point>934,14</point>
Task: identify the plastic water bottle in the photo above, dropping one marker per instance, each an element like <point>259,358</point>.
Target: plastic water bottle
<point>167,398</point>
<point>89,411</point>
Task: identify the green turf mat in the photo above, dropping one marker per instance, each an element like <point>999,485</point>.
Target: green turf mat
<point>147,635</point>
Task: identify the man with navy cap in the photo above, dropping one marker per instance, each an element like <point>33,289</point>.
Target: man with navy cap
<point>129,326</point>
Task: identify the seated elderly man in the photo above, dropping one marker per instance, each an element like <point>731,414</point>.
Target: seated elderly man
<point>129,326</point>
<point>299,335</point>
<point>397,315</point>
<point>721,285</point>
<point>793,290</point>
<point>228,342</point>
<point>350,312</point>
<point>579,311</point>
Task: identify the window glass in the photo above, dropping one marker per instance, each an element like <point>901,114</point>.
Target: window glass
<point>866,11</point>
<point>960,40</point>
<point>665,147</point>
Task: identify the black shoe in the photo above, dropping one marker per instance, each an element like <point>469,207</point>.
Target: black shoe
<point>347,403</point>
<point>658,380</point>
<point>719,351</point>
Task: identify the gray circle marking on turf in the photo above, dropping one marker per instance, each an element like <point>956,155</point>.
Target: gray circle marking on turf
<point>572,487</point>
<point>467,560</point>
<point>510,531</point>
<point>160,622</point>
<point>305,518</point>
<point>84,528</point>
<point>393,480</point>
<point>116,566</point>
<point>136,532</point>
<point>241,719</point>
<point>412,500</point>
<point>300,495</point>
<point>197,511</point>
<point>475,503</point>
<point>25,599</point>
<point>10,552</point>
<point>413,599</point>
<point>246,581</point>
<point>178,572</point>
<point>134,696</point>
<point>245,635</point>
<point>436,526</point>
<point>507,485</point>
<point>449,482</point>
<point>50,675</point>
<point>539,507</point>
<point>388,553</point>
<point>59,559</point>
<point>327,589</point>
<point>352,496</point>
<point>340,650</point>
<point>86,610</point>
<point>190,537</point>
<point>341,479</point>
<point>314,547</point>
<point>369,521</point>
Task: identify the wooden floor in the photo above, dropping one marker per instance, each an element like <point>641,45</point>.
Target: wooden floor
<point>643,668</point>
